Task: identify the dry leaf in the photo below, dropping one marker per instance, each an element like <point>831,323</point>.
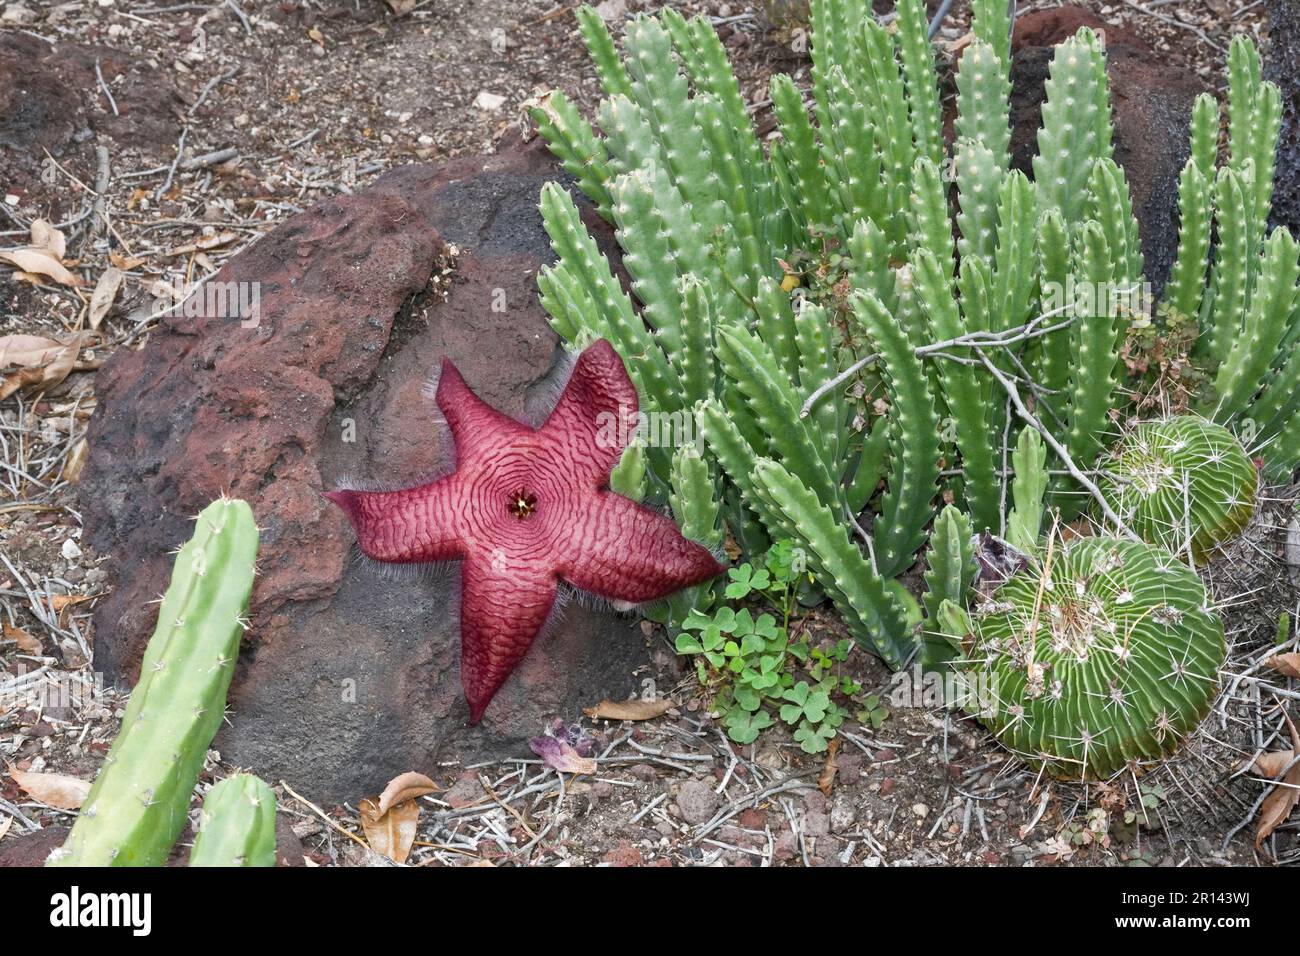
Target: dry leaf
<point>40,262</point>
<point>401,7</point>
<point>826,779</point>
<point>26,643</point>
<point>559,755</point>
<point>125,263</point>
<point>101,300</point>
<point>5,824</point>
<point>1288,664</point>
<point>408,786</point>
<point>45,236</point>
<point>32,360</point>
<point>1273,763</point>
<point>1282,800</point>
<point>27,350</point>
<point>636,709</point>
<point>76,461</point>
<point>393,833</point>
<point>52,789</point>
<point>205,242</point>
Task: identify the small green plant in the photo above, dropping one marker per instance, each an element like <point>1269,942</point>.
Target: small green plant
<point>237,824</point>
<point>1183,482</point>
<point>139,802</point>
<point>758,675</point>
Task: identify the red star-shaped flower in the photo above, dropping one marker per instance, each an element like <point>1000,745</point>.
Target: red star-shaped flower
<point>524,508</point>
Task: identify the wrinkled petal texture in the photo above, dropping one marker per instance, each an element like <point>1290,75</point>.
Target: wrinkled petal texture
<point>526,507</point>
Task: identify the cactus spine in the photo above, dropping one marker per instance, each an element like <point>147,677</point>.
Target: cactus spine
<point>761,275</point>
<point>138,803</point>
<point>237,824</point>
<point>1184,482</point>
<point>1105,655</point>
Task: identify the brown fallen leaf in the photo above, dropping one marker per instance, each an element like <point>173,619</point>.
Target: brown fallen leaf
<point>125,263</point>
<point>636,709</point>
<point>26,643</point>
<point>1272,763</point>
<point>1282,799</point>
<point>45,236</point>
<point>826,779</point>
<point>35,361</point>
<point>5,824</point>
<point>75,461</point>
<point>58,602</point>
<point>40,262</point>
<point>52,789</point>
<point>561,756</point>
<point>390,834</point>
<point>101,300</point>
<point>1288,664</point>
<point>206,242</point>
<point>401,8</point>
<point>407,786</point>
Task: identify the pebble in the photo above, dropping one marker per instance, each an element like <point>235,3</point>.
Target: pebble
<point>816,824</point>
<point>696,801</point>
<point>96,576</point>
<point>464,792</point>
<point>843,813</point>
<point>887,786</point>
<point>921,810</point>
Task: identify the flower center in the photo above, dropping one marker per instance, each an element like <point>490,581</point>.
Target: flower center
<point>522,504</point>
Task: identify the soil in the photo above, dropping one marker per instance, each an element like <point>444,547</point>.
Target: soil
<point>316,97</point>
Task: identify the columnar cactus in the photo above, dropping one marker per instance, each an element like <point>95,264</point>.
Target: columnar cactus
<point>1104,655</point>
<point>1183,482</point>
<point>237,824</point>
<point>792,299</point>
<point>138,804</point>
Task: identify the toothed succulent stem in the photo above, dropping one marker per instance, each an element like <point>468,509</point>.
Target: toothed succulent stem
<point>138,804</point>
<point>873,614</point>
<point>950,569</point>
<point>237,825</point>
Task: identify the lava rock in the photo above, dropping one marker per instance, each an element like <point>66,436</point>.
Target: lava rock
<point>349,675</point>
<point>1152,108</point>
<point>1282,66</point>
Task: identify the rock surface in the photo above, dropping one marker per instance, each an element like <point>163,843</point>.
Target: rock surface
<point>349,674</point>
<point>1282,66</point>
<point>1152,108</point>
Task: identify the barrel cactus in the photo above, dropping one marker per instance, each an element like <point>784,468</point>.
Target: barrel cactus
<point>1103,656</point>
<point>1183,482</point>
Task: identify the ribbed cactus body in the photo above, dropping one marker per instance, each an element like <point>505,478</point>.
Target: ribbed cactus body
<point>138,804</point>
<point>237,826</point>
<point>1106,655</point>
<point>1183,482</point>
